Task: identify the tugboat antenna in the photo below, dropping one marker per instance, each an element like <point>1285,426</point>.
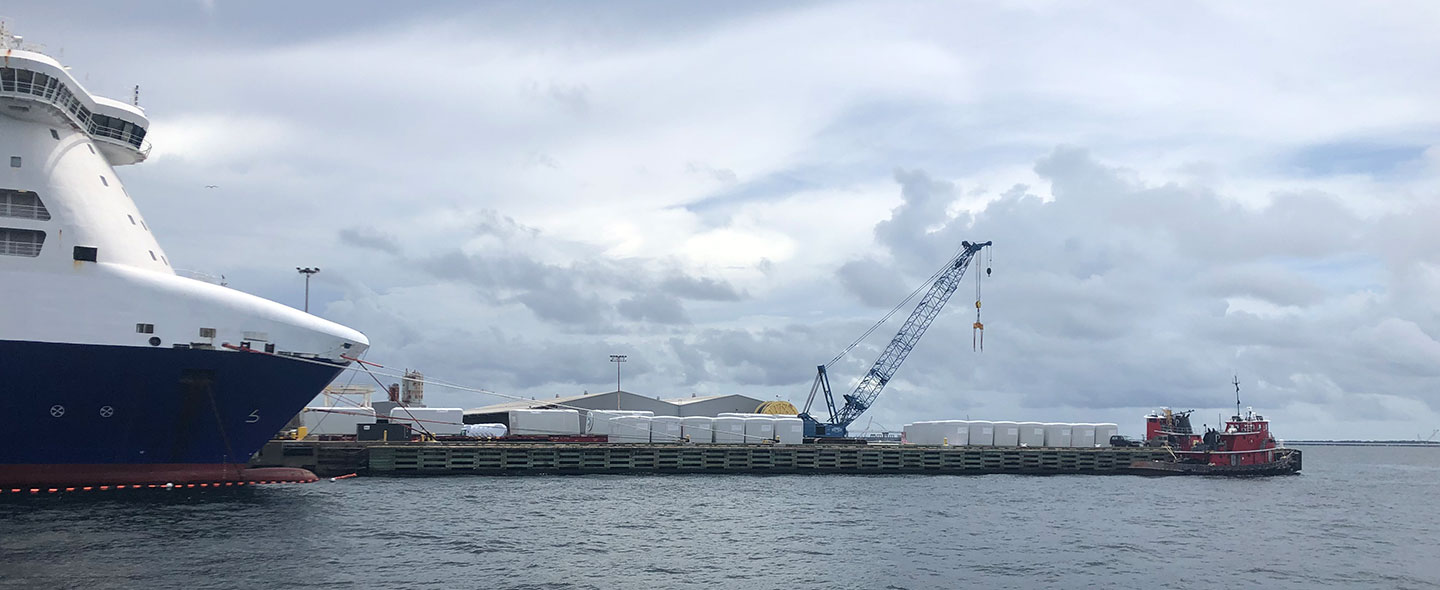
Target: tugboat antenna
<point>1236,381</point>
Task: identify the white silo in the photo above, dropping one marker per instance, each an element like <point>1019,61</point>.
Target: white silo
<point>982,433</point>
<point>1057,434</point>
<point>1082,435</point>
<point>1032,434</point>
<point>1007,434</point>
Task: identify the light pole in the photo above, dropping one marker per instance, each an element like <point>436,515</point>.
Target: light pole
<point>617,359</point>
<point>307,271</point>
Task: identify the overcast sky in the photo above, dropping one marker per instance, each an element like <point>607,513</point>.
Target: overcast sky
<point>501,195</point>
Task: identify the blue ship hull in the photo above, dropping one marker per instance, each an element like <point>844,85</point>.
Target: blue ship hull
<point>85,413</point>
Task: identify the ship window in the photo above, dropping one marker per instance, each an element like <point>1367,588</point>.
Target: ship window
<point>22,204</point>
<point>132,219</point>
<point>162,259</point>
<point>103,181</point>
<point>55,134</point>
<point>207,332</point>
<point>92,148</point>
<point>14,161</point>
<point>21,242</point>
<point>144,328</point>
<point>152,256</point>
<point>86,253</point>
<point>142,224</point>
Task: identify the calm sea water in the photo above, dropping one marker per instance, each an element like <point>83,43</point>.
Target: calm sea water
<point>1357,518</point>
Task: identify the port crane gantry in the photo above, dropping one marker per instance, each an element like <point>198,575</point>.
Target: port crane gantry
<point>945,281</point>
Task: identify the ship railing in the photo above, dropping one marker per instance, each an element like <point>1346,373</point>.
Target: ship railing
<point>56,94</point>
<point>201,276</point>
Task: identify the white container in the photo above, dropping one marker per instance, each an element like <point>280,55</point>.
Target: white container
<point>665,429</point>
<point>1057,434</point>
<point>541,422</point>
<point>1032,434</point>
<point>729,430</point>
<point>759,429</point>
<point>982,433</point>
<point>955,433</point>
<point>598,421</point>
<point>790,431</point>
<point>698,429</point>
<point>1082,435</point>
<point>436,421</point>
<point>335,420</point>
<point>1103,432</point>
<point>485,430</point>
<point>1007,434</point>
<point>630,429</point>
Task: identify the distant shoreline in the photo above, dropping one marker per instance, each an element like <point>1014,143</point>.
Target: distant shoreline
<point>1365,443</point>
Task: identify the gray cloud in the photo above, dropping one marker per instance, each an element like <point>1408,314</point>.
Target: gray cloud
<point>369,237</point>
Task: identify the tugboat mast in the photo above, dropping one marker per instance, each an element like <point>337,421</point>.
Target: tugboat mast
<point>1236,380</point>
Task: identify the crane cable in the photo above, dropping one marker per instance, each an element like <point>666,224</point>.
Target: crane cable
<point>894,310</point>
<point>977,332</point>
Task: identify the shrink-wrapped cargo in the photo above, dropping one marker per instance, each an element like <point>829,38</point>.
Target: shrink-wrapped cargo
<point>1057,434</point>
<point>918,433</point>
<point>1007,434</point>
<point>665,429</point>
<point>955,433</point>
<point>334,421</point>
<point>1103,432</point>
<point>790,431</point>
<point>1032,434</point>
<point>436,421</point>
<point>730,430</point>
<point>982,433</point>
<point>759,429</point>
<point>1082,435</point>
<point>598,421</point>
<point>698,429</point>
<point>630,429</point>
<point>542,422</point>
<point>485,430</point>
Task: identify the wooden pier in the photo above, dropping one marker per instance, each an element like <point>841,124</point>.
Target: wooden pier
<point>428,459</point>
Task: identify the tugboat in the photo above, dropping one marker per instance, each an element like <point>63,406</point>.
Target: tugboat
<point>1244,447</point>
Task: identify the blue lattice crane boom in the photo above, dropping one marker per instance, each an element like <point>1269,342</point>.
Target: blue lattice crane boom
<point>945,282</point>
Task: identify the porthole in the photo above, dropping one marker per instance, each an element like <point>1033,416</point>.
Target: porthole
<point>154,341</point>
<point>152,256</point>
<point>103,181</point>
<point>132,219</point>
<point>55,134</point>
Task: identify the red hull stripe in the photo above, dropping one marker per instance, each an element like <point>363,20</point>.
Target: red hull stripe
<point>105,476</point>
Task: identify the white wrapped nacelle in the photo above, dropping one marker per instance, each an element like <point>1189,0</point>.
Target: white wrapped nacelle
<point>759,429</point>
<point>630,429</point>
<point>790,431</point>
<point>921,433</point>
<point>955,433</point>
<point>331,421</point>
<point>598,421</point>
<point>1032,434</point>
<point>982,433</point>
<point>436,421</point>
<point>1007,434</point>
<point>1083,436</point>
<point>698,429</point>
<point>1057,434</point>
<point>543,422</point>
<point>1103,432</point>
<point>729,430</point>
<point>485,430</point>
<point>665,429</point>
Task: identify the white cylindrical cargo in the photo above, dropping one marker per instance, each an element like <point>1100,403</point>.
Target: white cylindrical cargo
<point>544,422</point>
<point>698,429</point>
<point>955,433</point>
<point>1032,434</point>
<point>1103,432</point>
<point>436,421</point>
<point>1082,435</point>
<point>982,433</point>
<point>912,433</point>
<point>598,421</point>
<point>730,430</point>
<point>630,429</point>
<point>759,429</point>
<point>1057,434</point>
<point>485,430</point>
<point>665,429</point>
<point>1007,434</point>
<point>789,431</point>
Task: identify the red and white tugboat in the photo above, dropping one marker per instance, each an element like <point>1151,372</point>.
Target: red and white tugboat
<point>1244,447</point>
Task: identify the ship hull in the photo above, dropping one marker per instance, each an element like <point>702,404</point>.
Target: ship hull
<point>79,414</point>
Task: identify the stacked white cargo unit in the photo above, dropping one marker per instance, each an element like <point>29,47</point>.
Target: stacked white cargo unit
<point>1007,434</point>
<point>729,430</point>
<point>1082,435</point>
<point>955,433</point>
<point>488,430</point>
<point>1057,434</point>
<point>436,421</point>
<point>759,429</point>
<point>598,421</point>
<point>630,429</point>
<point>698,429</point>
<point>665,429</point>
<point>543,422</point>
<point>789,431</point>
<point>1103,432</point>
<point>1032,434</point>
<point>982,433</point>
<point>333,421</point>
